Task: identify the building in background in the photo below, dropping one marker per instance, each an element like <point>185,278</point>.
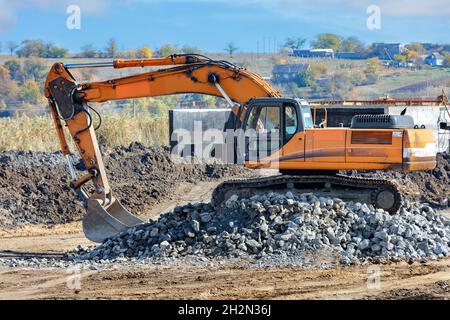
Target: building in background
<point>314,53</point>
<point>386,51</point>
<point>435,60</point>
<point>286,73</point>
<point>351,55</point>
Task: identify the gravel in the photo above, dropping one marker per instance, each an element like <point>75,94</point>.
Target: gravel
<point>281,228</point>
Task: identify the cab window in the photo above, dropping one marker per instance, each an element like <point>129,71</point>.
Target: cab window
<point>264,119</point>
<point>290,122</point>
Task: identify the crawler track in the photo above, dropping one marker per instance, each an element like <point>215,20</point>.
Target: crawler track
<point>380,193</point>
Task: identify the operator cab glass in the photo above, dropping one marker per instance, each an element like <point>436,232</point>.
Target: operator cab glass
<point>305,111</point>
<point>272,122</point>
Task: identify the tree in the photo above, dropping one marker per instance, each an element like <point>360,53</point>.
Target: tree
<point>54,52</point>
<point>31,93</point>
<point>304,79</point>
<point>401,58</point>
<point>294,43</point>
<point>412,55</point>
<point>4,78</point>
<point>372,66</point>
<point>35,70</point>
<point>144,52</point>
<point>88,51</point>
<point>15,70</point>
<point>340,86</point>
<point>231,49</point>
<point>168,49</point>
<point>417,47</point>
<point>327,41</point>
<point>447,59</point>
<point>12,46</point>
<point>111,49</point>
<point>38,48</point>
<point>351,44</point>
<point>32,48</point>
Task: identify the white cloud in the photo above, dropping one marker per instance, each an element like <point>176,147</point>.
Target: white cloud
<point>285,8</point>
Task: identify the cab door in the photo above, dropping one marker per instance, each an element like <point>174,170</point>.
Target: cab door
<point>262,134</point>
<point>293,136</point>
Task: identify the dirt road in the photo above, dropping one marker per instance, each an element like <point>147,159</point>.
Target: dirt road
<point>396,281</point>
<point>426,281</point>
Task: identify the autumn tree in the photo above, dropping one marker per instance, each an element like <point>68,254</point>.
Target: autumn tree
<point>412,55</point>
<point>15,70</point>
<point>372,67</point>
<point>31,93</point>
<point>144,52</point>
<point>417,47</point>
<point>447,59</point>
<point>8,87</point>
<point>4,77</point>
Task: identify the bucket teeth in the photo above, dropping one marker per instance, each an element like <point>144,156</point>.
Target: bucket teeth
<point>102,222</point>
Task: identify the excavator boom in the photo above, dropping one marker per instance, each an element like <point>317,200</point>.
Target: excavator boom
<point>69,100</point>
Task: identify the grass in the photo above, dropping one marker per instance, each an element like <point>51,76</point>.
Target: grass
<point>37,133</point>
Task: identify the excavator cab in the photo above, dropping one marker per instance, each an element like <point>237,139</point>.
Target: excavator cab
<point>270,124</point>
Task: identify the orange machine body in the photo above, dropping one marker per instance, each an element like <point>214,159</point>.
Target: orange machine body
<point>354,149</point>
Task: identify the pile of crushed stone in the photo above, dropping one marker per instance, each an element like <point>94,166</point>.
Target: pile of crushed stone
<point>274,225</point>
<point>35,185</point>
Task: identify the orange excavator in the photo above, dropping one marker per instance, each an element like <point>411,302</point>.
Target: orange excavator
<point>277,133</point>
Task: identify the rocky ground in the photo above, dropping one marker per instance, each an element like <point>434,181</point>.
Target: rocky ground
<point>277,233</point>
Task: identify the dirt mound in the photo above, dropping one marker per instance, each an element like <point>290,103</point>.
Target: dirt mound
<point>431,186</point>
<point>34,185</point>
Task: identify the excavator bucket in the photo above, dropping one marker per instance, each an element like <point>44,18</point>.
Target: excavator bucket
<point>102,222</point>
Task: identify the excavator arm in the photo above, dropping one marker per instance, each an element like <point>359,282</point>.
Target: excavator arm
<point>69,103</point>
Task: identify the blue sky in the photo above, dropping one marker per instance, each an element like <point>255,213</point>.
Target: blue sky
<point>210,24</point>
